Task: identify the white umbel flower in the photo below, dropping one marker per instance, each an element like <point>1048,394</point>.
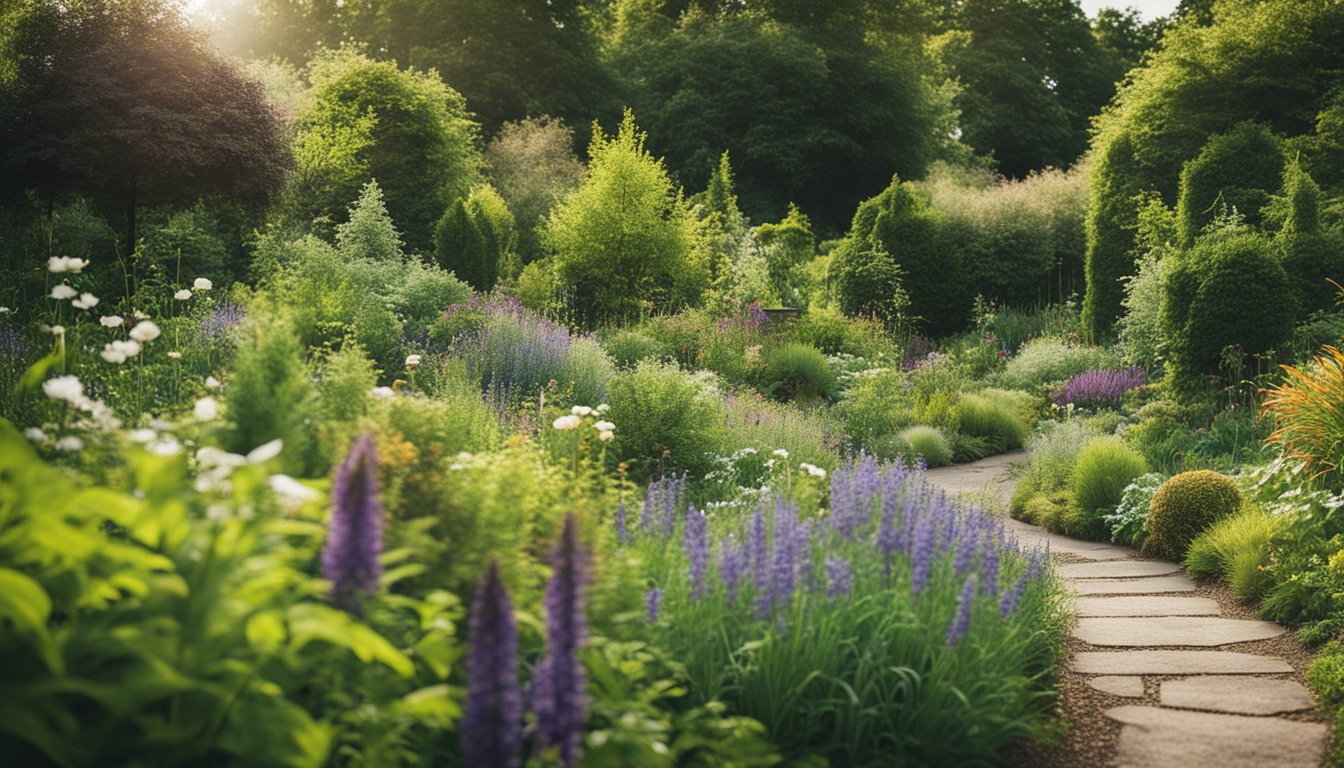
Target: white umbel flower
<point>206,409</point>
<point>85,301</point>
<point>566,423</point>
<point>67,388</point>
<point>63,291</point>
<point>145,331</point>
<point>111,321</point>
<point>202,284</point>
<point>182,295</point>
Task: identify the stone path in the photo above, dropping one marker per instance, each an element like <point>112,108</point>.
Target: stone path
<point>1146,631</point>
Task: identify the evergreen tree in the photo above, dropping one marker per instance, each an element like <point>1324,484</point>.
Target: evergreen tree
<point>461,247</point>
<point>369,231</point>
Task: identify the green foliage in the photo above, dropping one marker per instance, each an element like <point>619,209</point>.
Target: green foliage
<point>1053,450</point>
<point>1208,304</point>
<point>342,398</point>
<point>192,627</point>
<point>406,129</point>
<point>368,232</point>
<point>538,288</point>
<point>667,420</point>
<point>474,238</point>
<point>1326,676</point>
<point>869,284</point>
<point>1103,470</point>
<point>628,347</point>
<point>1236,550</point>
<point>1268,62</point>
<point>1022,241</point>
<point>833,333</point>
<point>797,372</point>
<point>1186,506</point>
<point>752,421</point>
<point>1311,256</point>
<point>533,166</point>
<point>1128,524</point>
<point>623,238</point>
<point>786,245</point>
<point>898,226</point>
<point>926,443</point>
<point>1140,328</point>
<point>190,244</point>
<point>1237,170</point>
<point>1046,362</point>
<point>992,418</point>
<point>269,396</point>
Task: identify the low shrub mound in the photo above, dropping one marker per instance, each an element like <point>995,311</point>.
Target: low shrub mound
<point>1105,466</point>
<point>798,371</point>
<point>1234,548</point>
<point>1184,507</point>
<point>927,443</point>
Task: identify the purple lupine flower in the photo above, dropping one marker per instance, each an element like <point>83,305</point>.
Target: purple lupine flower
<point>651,502</point>
<point>888,535</point>
<point>653,601</point>
<point>492,722</point>
<point>1036,562</point>
<point>732,564</point>
<point>696,543</point>
<point>785,556</point>
<point>622,536</point>
<point>1099,388</point>
<point>355,530</point>
<point>558,695</point>
<point>967,547</point>
<point>839,577</point>
<point>962,621</point>
<point>671,498</point>
<point>12,346</point>
<point>1008,603</point>
<point>922,553</point>
<point>760,560</point>
<point>990,560</point>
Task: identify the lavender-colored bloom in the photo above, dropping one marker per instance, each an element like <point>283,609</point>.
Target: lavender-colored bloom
<point>784,559</point>
<point>921,556</point>
<point>888,535</point>
<point>1094,389</point>
<point>1008,603</point>
<point>756,317</point>
<point>760,560</point>
<point>1036,562</point>
<point>967,547</point>
<point>962,621</point>
<point>653,602</point>
<point>492,722</point>
<point>696,543</point>
<point>224,318</point>
<point>12,346</point>
<point>559,697</point>
<point>622,536</point>
<point>732,565</point>
<point>355,531</point>
<point>990,559</point>
<point>839,577</point>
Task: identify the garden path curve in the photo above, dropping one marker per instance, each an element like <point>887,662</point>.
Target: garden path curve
<point>1143,634</point>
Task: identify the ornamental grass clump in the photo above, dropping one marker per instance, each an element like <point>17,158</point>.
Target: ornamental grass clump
<point>1308,412</point>
<point>892,623</point>
<point>355,532</point>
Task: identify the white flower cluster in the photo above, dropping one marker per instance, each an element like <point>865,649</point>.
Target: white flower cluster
<point>606,431</point>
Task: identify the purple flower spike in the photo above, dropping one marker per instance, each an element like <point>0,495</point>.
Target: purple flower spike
<point>696,543</point>
<point>1008,603</point>
<point>922,554</point>
<point>355,531</point>
<point>990,559</point>
<point>1098,389</point>
<point>966,551</point>
<point>732,565</point>
<point>653,602</point>
<point>492,724</point>
<point>839,577</point>
<point>784,560</point>
<point>962,621</point>
<point>760,561</point>
<point>559,697</point>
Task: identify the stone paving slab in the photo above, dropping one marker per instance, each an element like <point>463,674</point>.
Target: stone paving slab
<point>1153,737</point>
<point>1177,582</point>
<point>1118,685</point>
<point>1173,630</point>
<point>1119,569</point>
<point>1176,663</point>
<point>1147,605</point>
<point>1238,695</point>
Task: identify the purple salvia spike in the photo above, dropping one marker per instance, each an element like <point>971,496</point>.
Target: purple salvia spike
<point>989,565</point>
<point>922,556</point>
<point>839,577</point>
<point>492,721</point>
<point>355,530</point>
<point>559,696</point>
<point>784,558</point>
<point>961,622</point>
<point>731,566</point>
<point>966,551</point>
<point>622,536</point>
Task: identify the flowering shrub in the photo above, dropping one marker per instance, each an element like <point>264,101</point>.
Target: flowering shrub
<point>892,585</point>
<point>1099,388</point>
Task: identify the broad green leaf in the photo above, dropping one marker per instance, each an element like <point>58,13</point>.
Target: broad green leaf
<point>311,621</point>
<point>25,605</point>
<point>266,632</point>
<point>435,703</point>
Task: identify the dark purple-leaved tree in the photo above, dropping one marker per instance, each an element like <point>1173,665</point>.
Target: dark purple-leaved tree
<point>123,101</point>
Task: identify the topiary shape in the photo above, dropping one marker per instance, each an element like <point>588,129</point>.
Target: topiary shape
<point>1184,507</point>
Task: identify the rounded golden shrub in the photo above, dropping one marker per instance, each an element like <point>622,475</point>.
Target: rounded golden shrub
<point>1184,507</point>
